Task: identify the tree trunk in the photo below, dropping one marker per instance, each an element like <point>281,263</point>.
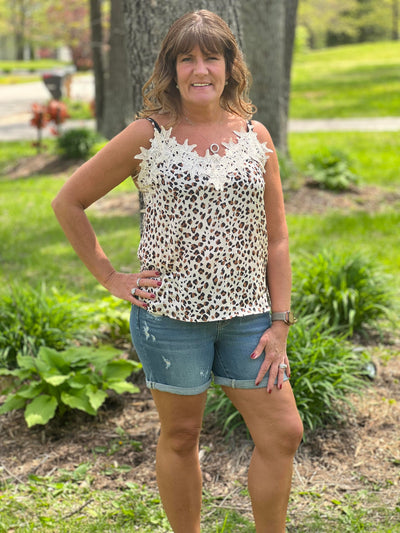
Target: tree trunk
<point>97,52</point>
<point>395,20</point>
<point>118,108</point>
<point>269,29</point>
<point>148,21</point>
<point>290,32</point>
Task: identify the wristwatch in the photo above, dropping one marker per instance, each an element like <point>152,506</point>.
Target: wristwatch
<point>286,316</point>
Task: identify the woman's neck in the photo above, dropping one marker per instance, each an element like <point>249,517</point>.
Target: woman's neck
<point>201,116</point>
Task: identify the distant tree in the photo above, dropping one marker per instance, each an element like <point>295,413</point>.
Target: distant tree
<point>68,24</point>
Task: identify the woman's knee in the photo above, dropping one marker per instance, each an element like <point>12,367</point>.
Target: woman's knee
<point>181,439</point>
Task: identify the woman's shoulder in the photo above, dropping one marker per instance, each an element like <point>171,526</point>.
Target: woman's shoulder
<point>263,134</point>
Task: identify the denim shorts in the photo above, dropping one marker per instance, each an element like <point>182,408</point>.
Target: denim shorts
<point>182,357</point>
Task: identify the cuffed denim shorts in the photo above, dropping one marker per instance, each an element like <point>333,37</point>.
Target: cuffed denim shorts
<point>182,357</point>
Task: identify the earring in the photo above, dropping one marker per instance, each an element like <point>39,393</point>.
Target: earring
<point>226,83</point>
<point>177,86</point>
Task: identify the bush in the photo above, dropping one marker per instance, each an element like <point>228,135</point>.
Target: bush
<point>77,143</point>
<point>31,318</point>
<point>348,293</point>
<point>332,171</point>
<point>109,317</point>
<point>77,378</point>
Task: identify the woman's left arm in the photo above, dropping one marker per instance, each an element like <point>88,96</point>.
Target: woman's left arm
<point>279,275</point>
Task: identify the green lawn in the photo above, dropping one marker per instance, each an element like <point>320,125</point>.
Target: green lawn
<point>360,80</point>
<point>375,157</point>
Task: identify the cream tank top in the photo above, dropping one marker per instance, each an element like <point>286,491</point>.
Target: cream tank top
<point>204,227</point>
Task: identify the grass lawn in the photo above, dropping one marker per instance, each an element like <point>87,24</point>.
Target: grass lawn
<point>375,157</point>
<point>359,80</point>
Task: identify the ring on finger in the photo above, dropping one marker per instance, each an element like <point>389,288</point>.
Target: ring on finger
<point>137,282</point>
<point>133,291</point>
<point>283,366</point>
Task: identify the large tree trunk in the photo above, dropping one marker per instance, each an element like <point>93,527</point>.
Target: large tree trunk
<point>97,53</point>
<point>269,29</point>
<point>148,21</point>
<point>118,108</point>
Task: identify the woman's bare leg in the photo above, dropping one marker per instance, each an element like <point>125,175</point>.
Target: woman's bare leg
<point>276,429</point>
<point>177,461</point>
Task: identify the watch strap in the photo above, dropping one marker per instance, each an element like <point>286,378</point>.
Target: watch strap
<point>285,316</point>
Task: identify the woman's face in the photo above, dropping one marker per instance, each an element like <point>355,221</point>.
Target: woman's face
<point>200,77</point>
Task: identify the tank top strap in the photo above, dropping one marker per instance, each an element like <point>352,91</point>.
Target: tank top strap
<point>248,124</point>
<point>155,124</point>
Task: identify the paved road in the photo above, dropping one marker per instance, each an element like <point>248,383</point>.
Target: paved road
<point>16,101</point>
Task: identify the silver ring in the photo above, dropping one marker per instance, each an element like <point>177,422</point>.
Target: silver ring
<point>137,282</point>
<point>283,366</point>
<point>133,291</point>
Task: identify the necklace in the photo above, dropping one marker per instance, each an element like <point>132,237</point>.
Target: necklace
<point>214,147</point>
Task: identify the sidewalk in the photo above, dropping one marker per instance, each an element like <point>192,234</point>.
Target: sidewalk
<point>17,127</point>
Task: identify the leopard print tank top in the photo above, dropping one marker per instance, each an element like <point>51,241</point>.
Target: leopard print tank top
<point>204,227</point>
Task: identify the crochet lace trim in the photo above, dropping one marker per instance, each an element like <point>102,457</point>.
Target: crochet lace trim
<point>182,157</point>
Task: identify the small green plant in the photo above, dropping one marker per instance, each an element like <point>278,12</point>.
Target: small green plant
<point>31,318</point>
<point>109,317</point>
<point>332,171</point>
<point>77,378</point>
<point>347,292</point>
<point>77,143</point>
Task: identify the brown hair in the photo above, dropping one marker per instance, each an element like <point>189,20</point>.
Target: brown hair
<point>211,33</point>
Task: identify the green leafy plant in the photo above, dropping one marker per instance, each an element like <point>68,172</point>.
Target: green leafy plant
<point>77,378</point>
<point>332,171</point>
<point>347,292</point>
<point>77,143</point>
<point>31,318</point>
<point>109,317</point>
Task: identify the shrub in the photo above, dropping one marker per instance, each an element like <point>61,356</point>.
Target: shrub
<point>109,317</point>
<point>332,171</point>
<point>77,378</point>
<point>77,143</point>
<point>349,293</point>
<point>31,318</point>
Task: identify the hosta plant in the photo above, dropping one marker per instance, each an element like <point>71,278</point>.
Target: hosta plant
<point>53,382</point>
<point>332,171</point>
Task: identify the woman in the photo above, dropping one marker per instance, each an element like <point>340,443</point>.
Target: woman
<point>200,304</point>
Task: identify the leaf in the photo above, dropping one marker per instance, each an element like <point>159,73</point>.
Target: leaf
<point>122,386</point>
<point>96,396</point>
<point>31,391</point>
<point>12,402</point>
<point>118,370</point>
<point>78,399</point>
<point>55,379</point>
<point>40,410</point>
<point>26,361</point>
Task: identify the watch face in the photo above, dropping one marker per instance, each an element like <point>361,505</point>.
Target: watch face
<point>290,318</point>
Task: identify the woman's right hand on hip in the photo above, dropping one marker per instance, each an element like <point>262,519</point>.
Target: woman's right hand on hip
<point>131,287</point>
